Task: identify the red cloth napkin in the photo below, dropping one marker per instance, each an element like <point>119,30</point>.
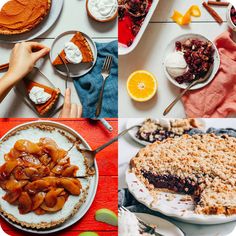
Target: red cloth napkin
<point>218,99</point>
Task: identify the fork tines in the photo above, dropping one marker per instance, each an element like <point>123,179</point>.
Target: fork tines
<point>107,64</point>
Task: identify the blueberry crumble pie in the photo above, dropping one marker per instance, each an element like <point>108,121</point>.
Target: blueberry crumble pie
<point>201,165</point>
<point>158,130</point>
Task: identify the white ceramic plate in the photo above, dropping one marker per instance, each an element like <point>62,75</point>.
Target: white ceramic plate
<point>45,25</point>
<point>172,204</point>
<point>76,70</point>
<point>164,227</point>
<point>93,181</point>
<point>171,48</point>
<point>123,50</point>
<point>139,121</point>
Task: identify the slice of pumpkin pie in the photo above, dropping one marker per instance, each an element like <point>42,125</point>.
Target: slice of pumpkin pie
<point>76,51</point>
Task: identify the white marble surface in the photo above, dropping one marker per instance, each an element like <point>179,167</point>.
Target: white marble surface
<point>73,17</point>
<point>128,148</point>
<point>150,51</point>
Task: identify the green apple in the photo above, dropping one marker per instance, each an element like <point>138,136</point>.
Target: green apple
<point>106,216</point>
<point>88,234</point>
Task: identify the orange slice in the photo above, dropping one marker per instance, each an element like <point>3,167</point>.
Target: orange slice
<point>141,86</point>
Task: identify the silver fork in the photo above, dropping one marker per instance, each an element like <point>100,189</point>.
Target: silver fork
<point>90,154</point>
<point>105,74</point>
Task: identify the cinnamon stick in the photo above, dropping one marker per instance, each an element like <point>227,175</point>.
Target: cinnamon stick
<point>217,3</point>
<point>4,66</point>
<point>213,13</point>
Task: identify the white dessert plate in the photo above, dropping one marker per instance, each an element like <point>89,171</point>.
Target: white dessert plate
<point>164,227</point>
<point>76,70</point>
<point>28,131</point>
<point>139,121</point>
<point>44,26</point>
<point>177,206</point>
<point>171,48</point>
<point>37,76</point>
<point>123,49</point>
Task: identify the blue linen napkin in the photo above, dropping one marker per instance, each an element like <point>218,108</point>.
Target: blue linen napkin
<point>89,86</point>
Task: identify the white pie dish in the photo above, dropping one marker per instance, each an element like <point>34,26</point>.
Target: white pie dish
<point>123,50</point>
<point>171,204</point>
<point>34,134</point>
<point>171,48</point>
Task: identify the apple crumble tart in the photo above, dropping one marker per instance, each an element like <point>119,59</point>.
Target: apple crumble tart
<point>201,165</point>
<point>39,187</point>
<point>158,130</point>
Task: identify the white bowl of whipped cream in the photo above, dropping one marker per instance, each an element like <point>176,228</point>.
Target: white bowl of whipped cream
<point>102,10</point>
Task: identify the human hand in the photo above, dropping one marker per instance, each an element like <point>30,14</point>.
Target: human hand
<point>70,110</point>
<point>23,58</point>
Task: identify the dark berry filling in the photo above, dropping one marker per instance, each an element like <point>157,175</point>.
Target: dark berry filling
<point>131,14</point>
<point>158,135</point>
<point>199,56</point>
<point>233,15</point>
<point>171,182</point>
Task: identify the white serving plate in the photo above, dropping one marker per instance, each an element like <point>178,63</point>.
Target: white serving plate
<point>177,209</point>
<point>171,48</point>
<point>44,26</point>
<point>139,121</point>
<point>93,180</point>
<point>76,70</point>
<point>164,227</point>
<point>123,50</point>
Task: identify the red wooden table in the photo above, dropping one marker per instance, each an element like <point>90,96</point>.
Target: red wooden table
<point>95,134</point>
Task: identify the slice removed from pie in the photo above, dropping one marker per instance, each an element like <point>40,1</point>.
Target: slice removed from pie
<point>80,41</point>
<point>52,93</point>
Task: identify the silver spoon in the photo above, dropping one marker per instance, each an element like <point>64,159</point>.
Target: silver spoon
<point>199,81</point>
<point>90,154</point>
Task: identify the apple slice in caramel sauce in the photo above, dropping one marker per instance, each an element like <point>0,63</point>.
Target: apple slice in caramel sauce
<point>38,177</point>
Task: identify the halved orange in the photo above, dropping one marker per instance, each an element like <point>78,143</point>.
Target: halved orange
<point>141,86</point>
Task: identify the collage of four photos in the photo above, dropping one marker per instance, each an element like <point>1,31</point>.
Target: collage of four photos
<point>118,117</point>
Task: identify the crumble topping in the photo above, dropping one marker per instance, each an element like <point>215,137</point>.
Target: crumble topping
<point>206,163</point>
<point>153,130</point>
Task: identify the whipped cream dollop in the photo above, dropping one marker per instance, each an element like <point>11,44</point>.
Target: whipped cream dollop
<point>128,224</point>
<point>176,64</point>
<point>38,96</point>
<point>102,9</point>
<point>73,53</point>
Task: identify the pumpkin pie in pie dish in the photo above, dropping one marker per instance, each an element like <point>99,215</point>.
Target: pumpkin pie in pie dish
<point>19,16</point>
<point>38,169</point>
<point>42,97</point>
<point>201,165</point>
<point>76,51</point>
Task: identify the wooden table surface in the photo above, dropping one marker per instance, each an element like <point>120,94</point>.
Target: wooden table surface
<point>73,17</point>
<point>149,54</point>
<point>106,197</point>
